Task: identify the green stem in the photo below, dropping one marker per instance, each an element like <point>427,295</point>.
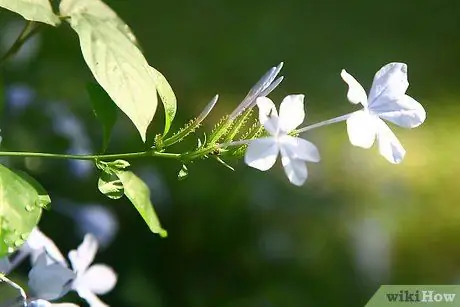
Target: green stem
<point>90,157</point>
<point>199,153</point>
<point>324,123</point>
<point>22,295</point>
<point>239,123</point>
<point>26,33</point>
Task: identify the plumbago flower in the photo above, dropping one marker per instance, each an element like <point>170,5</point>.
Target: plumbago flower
<point>387,100</point>
<point>91,280</point>
<point>263,152</point>
<point>52,281</point>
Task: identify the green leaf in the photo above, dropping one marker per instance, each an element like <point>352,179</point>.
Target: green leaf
<point>33,10</point>
<point>44,200</point>
<point>21,203</point>
<point>99,9</point>
<point>105,111</point>
<point>118,164</point>
<point>167,96</point>
<point>110,185</point>
<point>114,59</point>
<point>139,195</point>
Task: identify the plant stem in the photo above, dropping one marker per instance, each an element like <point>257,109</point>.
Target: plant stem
<point>324,123</point>
<point>26,33</point>
<point>90,157</point>
<point>22,295</point>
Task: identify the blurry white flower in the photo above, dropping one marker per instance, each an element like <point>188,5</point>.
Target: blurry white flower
<point>262,153</point>
<point>49,281</point>
<point>387,100</point>
<point>90,280</point>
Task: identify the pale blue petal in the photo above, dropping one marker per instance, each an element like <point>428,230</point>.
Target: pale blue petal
<point>262,153</point>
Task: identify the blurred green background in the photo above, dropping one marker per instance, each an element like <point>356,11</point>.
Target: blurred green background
<point>247,238</point>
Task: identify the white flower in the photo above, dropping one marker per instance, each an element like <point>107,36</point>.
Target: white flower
<point>90,280</point>
<point>262,153</point>
<point>49,281</point>
<point>387,100</point>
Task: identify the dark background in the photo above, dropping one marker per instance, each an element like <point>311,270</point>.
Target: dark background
<point>248,238</point>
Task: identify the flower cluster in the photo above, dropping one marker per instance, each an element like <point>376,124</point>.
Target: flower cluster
<point>51,278</point>
<point>276,134</point>
<point>387,100</point>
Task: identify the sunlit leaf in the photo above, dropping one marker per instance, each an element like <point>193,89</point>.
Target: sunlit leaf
<point>118,164</point>
<point>104,109</point>
<point>113,58</point>
<point>99,9</point>
<point>21,206</point>
<point>139,195</point>
<point>110,185</point>
<point>34,10</point>
<point>167,96</point>
<point>43,200</point>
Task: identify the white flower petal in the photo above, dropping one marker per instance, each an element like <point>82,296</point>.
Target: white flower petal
<point>43,303</point>
<point>295,169</point>
<point>98,279</point>
<point>361,128</point>
<point>390,81</point>
<point>292,112</point>
<point>268,116</point>
<point>389,145</point>
<point>38,242</point>
<point>299,148</point>
<point>356,93</point>
<point>49,282</point>
<point>262,153</point>
<point>84,255</point>
<point>404,111</point>
<point>39,303</point>
<point>91,298</point>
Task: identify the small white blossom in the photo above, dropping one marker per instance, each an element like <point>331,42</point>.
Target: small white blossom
<point>263,152</point>
<point>90,280</point>
<point>50,281</point>
<point>387,100</point>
